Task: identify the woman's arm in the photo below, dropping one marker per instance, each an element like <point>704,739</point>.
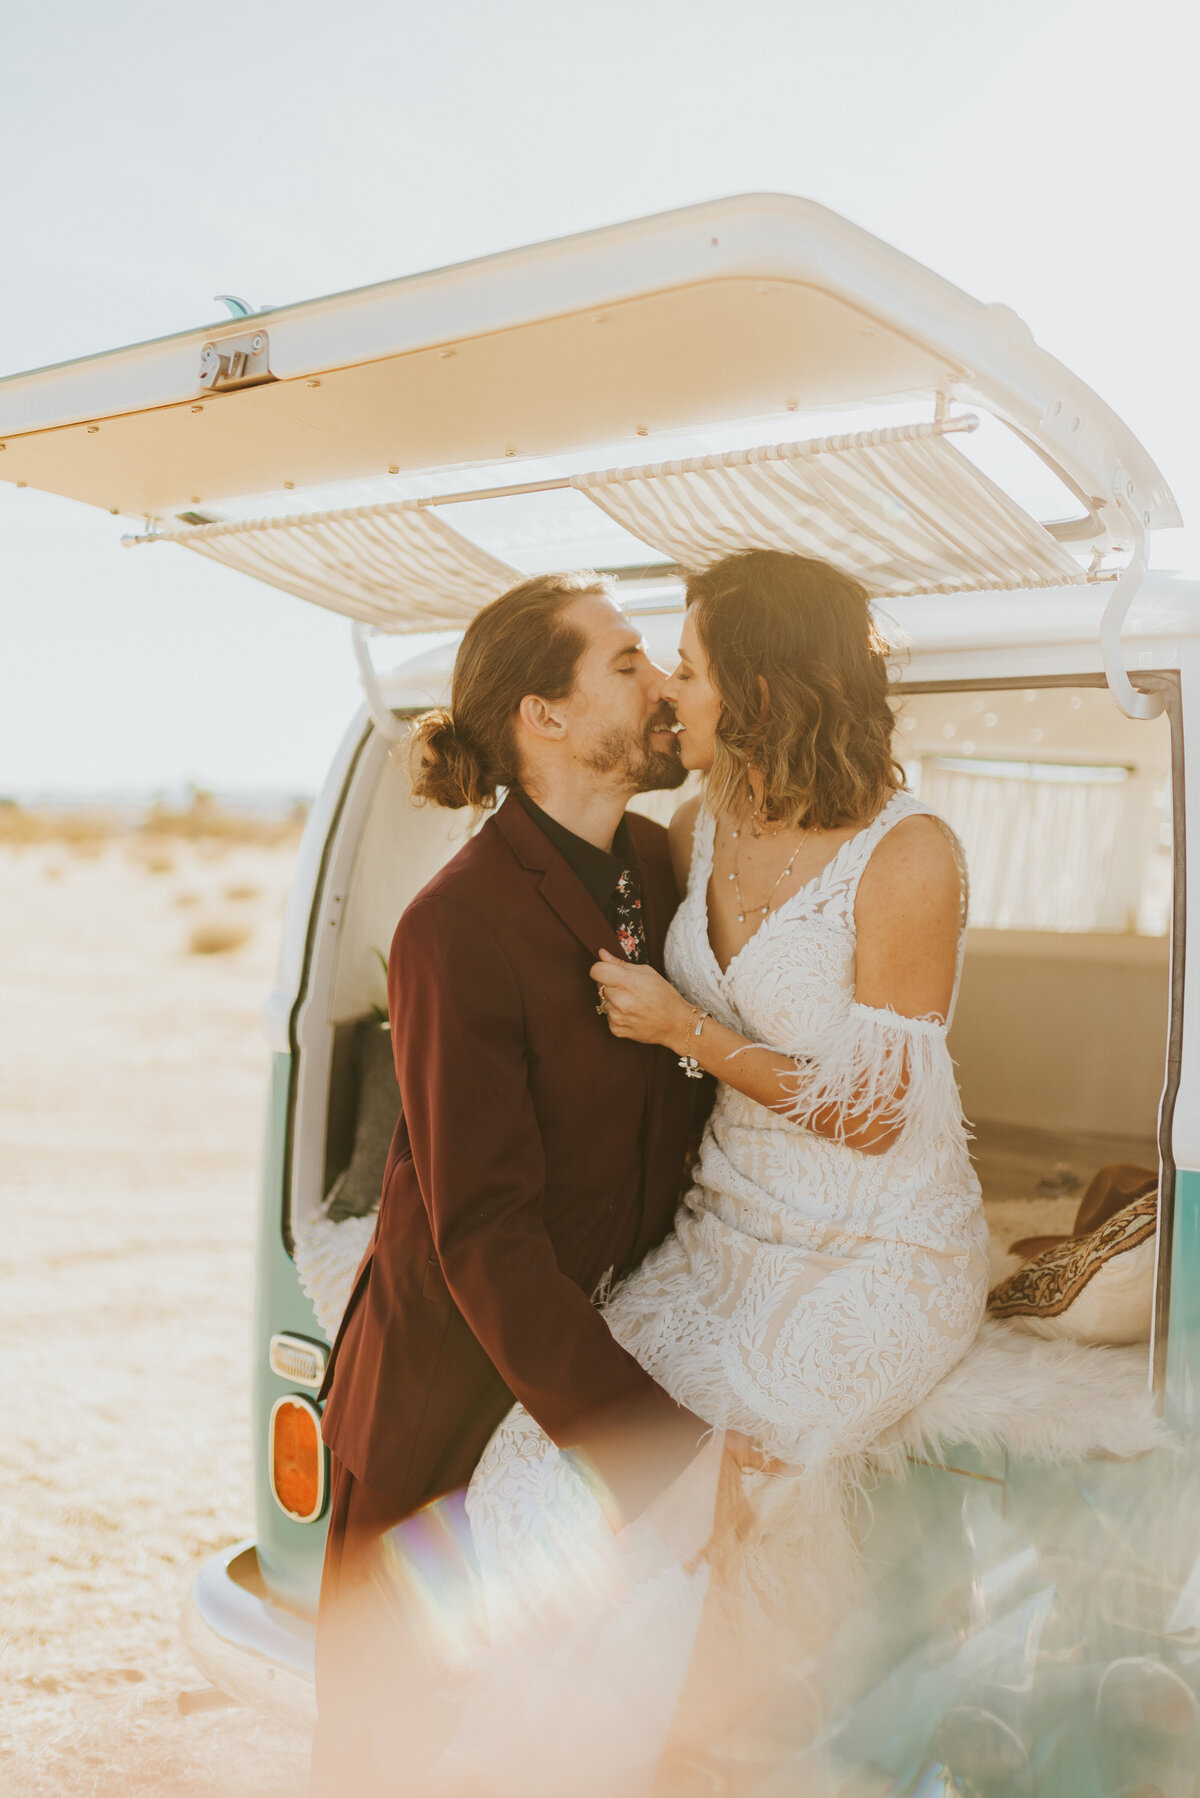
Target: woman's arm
<point>907,918</point>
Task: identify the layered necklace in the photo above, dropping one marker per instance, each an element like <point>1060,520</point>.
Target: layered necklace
<point>760,828</point>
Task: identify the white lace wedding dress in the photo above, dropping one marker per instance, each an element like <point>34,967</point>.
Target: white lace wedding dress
<point>810,1295</point>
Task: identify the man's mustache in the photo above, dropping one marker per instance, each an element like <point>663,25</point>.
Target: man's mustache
<point>663,719</point>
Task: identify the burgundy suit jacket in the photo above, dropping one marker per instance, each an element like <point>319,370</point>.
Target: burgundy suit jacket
<point>536,1153</point>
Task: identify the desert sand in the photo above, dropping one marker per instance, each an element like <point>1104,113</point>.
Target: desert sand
<point>131,1090</point>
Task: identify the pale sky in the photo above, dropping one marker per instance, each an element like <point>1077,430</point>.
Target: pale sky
<point>1043,153</point>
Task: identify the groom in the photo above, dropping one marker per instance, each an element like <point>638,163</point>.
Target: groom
<point>538,1157</point>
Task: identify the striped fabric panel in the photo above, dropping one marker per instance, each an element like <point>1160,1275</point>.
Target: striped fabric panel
<point>903,511</point>
<point>396,566</point>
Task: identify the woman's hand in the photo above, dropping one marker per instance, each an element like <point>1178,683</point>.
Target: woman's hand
<point>639,1003</point>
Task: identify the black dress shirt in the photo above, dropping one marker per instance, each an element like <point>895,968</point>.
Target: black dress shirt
<point>599,871</point>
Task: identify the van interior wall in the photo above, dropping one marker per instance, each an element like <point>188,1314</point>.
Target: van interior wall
<point>1063,1032</point>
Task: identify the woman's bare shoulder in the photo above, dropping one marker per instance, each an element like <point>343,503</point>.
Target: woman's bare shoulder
<point>914,865</point>
<point>908,915</point>
<point>680,833</point>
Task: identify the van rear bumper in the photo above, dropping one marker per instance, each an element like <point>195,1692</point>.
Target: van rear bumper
<point>246,1645</point>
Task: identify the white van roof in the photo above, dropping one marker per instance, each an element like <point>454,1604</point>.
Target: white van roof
<point>737,308</point>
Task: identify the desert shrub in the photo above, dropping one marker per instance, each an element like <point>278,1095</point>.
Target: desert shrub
<point>19,827</point>
<point>217,937</point>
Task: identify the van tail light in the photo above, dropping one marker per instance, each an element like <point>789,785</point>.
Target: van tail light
<point>296,1458</point>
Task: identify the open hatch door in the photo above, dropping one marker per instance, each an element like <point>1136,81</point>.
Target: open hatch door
<point>747,307</point>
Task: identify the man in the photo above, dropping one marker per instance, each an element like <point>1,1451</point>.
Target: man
<point>538,1157</point>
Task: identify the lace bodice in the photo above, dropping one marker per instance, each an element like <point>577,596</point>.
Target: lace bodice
<point>794,974</point>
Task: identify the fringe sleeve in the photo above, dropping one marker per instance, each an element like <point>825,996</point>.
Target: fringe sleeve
<point>876,1067</point>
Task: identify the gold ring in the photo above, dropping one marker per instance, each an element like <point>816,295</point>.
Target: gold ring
<point>602,1008</point>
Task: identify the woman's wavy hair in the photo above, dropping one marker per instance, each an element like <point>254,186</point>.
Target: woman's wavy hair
<point>519,644</point>
<point>801,670</point>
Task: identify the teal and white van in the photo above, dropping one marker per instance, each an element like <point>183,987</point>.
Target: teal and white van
<point>641,399</point>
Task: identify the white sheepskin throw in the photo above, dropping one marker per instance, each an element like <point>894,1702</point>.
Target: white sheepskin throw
<point>327,1258</point>
<point>1047,1400</point>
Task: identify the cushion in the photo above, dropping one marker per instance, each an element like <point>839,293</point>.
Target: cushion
<point>358,1188</point>
<point>1095,1288</point>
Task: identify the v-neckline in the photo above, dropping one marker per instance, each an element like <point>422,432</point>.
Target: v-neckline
<point>723,973</point>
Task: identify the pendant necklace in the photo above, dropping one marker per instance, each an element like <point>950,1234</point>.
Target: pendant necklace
<point>759,826</point>
<point>737,885</point>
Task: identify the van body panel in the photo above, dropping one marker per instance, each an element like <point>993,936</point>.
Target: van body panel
<point>289,1553</point>
<point>1183,1335</point>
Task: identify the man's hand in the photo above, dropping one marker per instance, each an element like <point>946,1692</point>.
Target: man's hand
<point>640,1004</point>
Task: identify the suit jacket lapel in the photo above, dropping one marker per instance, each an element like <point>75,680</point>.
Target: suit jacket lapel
<point>566,894</point>
<point>561,888</point>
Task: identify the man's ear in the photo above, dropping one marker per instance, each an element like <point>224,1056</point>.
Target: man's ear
<point>541,717</point>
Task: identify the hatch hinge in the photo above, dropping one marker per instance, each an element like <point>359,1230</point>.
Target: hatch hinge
<point>230,362</point>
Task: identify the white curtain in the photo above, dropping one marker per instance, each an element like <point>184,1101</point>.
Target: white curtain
<point>1046,854</point>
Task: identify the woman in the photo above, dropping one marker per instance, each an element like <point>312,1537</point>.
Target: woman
<point>829,1264</point>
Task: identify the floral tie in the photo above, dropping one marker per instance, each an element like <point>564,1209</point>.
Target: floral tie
<point>631,931</point>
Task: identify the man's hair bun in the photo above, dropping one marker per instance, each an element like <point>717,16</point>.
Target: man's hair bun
<point>445,770</point>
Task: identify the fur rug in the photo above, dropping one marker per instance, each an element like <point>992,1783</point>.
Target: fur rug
<point>1013,1391</point>
<point>327,1259</point>
<point>1047,1400</point>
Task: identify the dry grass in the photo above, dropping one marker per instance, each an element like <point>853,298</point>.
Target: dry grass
<point>241,892</point>
<point>206,820</point>
<point>19,827</point>
<point>203,821</point>
<point>131,1092</point>
<point>217,937</point>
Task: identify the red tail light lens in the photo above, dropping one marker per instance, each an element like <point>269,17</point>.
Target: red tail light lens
<point>296,1458</point>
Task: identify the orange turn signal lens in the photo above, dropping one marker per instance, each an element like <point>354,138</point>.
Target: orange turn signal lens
<point>296,1458</point>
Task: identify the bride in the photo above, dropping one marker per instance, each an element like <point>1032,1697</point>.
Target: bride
<point>828,1265</point>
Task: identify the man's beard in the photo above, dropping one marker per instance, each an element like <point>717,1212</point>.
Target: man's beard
<point>644,768</point>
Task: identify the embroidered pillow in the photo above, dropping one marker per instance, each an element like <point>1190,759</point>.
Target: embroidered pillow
<point>1096,1288</point>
